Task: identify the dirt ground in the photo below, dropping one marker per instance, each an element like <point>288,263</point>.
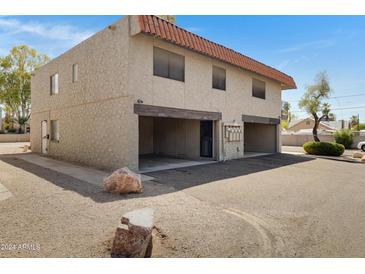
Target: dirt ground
<point>271,206</point>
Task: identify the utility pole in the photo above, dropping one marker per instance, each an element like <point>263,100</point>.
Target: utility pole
<point>358,122</point>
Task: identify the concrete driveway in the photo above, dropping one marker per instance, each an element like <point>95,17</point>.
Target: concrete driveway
<point>270,206</point>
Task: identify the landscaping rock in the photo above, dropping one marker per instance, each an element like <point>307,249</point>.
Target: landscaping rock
<point>133,237</point>
<point>25,148</point>
<point>123,181</point>
<point>357,155</point>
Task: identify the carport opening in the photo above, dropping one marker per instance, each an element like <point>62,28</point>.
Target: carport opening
<point>166,143</point>
<point>259,139</point>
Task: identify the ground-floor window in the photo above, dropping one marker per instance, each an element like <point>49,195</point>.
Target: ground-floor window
<point>55,135</point>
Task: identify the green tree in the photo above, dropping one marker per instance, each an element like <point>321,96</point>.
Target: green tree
<point>15,74</point>
<point>284,124</point>
<point>286,115</point>
<point>354,122</point>
<point>312,101</point>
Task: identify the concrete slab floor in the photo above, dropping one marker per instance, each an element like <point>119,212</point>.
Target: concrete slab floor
<point>249,154</point>
<point>151,163</point>
<point>4,193</point>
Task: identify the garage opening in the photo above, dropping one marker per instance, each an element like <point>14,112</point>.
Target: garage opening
<point>260,137</point>
<point>173,142</point>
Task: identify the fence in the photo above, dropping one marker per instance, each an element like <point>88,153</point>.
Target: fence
<point>10,138</point>
<point>299,140</point>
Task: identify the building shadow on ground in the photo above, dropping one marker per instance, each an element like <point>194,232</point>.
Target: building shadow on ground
<point>166,181</point>
<point>197,175</point>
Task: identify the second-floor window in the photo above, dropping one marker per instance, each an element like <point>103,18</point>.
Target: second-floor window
<point>219,78</point>
<point>169,65</point>
<point>54,84</point>
<point>258,89</point>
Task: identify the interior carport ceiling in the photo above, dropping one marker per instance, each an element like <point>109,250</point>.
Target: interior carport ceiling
<point>260,119</point>
<point>157,111</point>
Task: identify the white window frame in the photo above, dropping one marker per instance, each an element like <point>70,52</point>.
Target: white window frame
<point>75,73</point>
<point>55,84</point>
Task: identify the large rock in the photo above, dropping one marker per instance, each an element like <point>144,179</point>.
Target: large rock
<point>357,155</point>
<point>123,181</point>
<point>133,237</point>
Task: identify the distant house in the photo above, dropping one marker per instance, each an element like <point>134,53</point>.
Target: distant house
<point>307,124</point>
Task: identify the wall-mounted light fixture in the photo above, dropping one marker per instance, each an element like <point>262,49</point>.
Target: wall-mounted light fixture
<point>112,27</point>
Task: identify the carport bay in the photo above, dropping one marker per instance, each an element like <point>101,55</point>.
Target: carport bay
<point>261,134</point>
<point>172,138</point>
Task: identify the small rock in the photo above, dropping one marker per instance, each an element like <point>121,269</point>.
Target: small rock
<point>357,155</point>
<point>25,148</point>
<point>363,159</point>
<point>123,181</point>
<point>133,237</point>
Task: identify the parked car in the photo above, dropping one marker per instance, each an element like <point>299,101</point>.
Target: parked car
<point>361,145</point>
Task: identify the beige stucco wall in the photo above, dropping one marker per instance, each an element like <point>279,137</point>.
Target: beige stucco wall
<point>260,137</point>
<point>9,138</point>
<point>168,136</point>
<point>177,137</point>
<point>96,121</point>
<point>146,135</point>
<point>197,92</point>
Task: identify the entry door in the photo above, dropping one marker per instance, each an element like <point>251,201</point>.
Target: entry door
<point>44,136</point>
<point>206,139</point>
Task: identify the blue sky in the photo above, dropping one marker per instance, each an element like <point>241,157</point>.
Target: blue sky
<point>300,46</point>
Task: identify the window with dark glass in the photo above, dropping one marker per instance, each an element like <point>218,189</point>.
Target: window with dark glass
<point>169,65</point>
<point>219,78</point>
<point>55,135</point>
<point>258,88</point>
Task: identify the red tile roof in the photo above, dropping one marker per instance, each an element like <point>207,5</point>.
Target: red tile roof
<point>158,27</point>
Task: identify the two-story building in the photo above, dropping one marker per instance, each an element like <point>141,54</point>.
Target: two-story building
<point>146,87</point>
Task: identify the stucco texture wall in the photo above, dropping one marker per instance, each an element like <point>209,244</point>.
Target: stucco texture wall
<point>197,92</point>
<point>170,137</point>
<point>96,121</point>
<point>260,137</point>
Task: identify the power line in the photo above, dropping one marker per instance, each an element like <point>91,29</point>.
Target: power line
<point>334,97</point>
<point>356,107</point>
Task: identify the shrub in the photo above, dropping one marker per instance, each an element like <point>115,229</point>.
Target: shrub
<point>2,131</point>
<point>324,148</point>
<point>11,130</point>
<point>344,137</point>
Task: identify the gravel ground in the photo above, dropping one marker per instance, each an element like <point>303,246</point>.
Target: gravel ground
<point>270,206</point>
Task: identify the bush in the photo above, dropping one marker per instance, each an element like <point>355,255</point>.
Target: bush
<point>11,130</point>
<point>324,148</point>
<point>344,137</point>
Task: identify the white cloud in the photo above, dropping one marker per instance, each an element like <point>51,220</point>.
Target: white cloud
<point>194,29</point>
<point>49,31</point>
<point>319,44</point>
<point>286,62</point>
